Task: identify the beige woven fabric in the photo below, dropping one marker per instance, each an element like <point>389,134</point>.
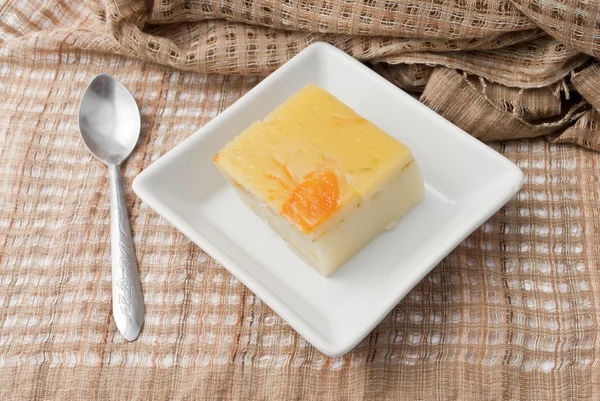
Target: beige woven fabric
<point>511,314</point>
<point>515,45</point>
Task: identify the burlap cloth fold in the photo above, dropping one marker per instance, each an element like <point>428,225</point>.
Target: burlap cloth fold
<point>512,313</point>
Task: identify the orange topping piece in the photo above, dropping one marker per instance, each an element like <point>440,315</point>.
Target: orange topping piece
<point>312,201</point>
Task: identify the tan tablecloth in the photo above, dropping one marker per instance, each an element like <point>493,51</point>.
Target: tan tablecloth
<point>512,313</point>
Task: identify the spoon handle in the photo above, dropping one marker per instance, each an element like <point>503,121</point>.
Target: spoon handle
<point>128,304</point>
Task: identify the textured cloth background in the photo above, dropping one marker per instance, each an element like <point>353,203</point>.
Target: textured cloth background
<point>530,63</point>
<point>512,313</point>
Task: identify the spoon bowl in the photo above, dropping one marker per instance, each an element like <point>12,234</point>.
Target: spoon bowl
<point>109,123</point>
<point>109,120</point>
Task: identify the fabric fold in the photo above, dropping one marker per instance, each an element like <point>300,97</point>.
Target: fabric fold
<point>528,66</point>
<point>453,96</point>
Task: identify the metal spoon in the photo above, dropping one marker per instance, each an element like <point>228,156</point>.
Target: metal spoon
<point>109,123</point>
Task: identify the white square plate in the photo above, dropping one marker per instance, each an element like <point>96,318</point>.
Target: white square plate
<point>466,182</point>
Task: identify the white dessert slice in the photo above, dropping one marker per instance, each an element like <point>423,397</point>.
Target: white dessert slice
<point>324,178</point>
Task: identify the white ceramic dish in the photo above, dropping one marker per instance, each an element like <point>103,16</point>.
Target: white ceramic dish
<point>466,182</point>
